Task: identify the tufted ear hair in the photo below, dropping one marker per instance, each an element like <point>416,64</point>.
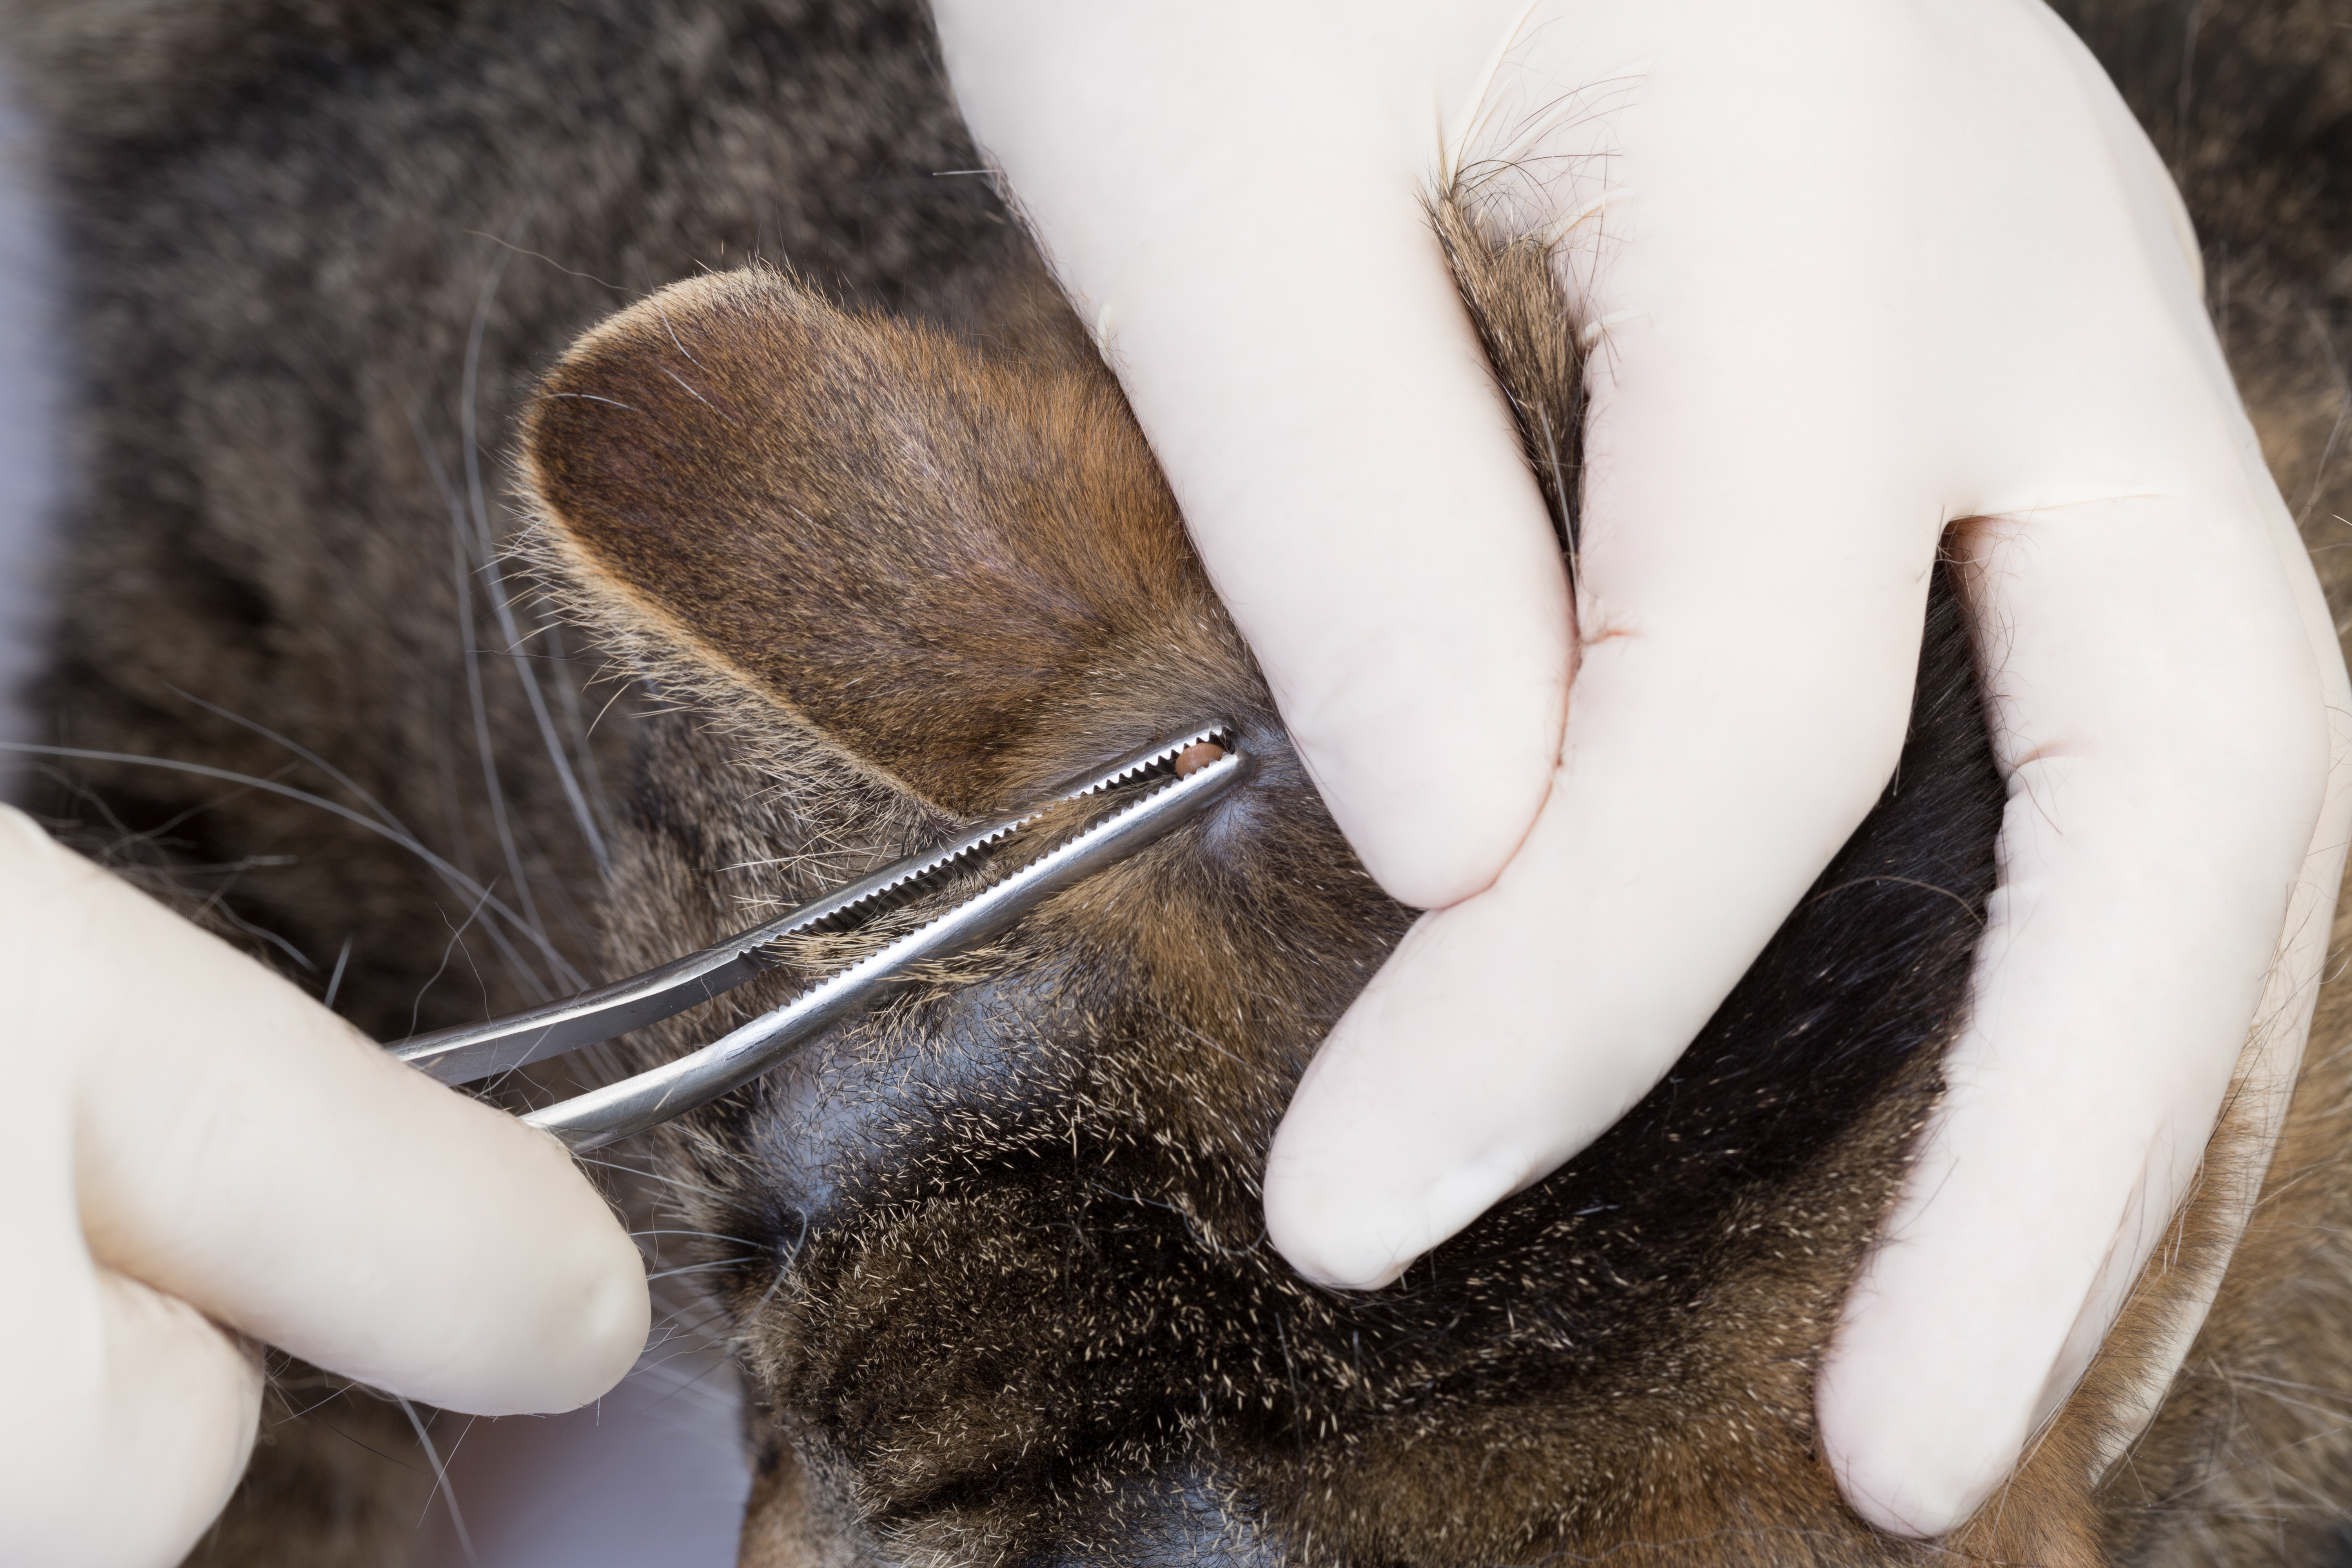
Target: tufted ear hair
<point>934,554</point>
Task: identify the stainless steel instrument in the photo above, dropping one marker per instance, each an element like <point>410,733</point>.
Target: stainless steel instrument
<point>1158,796</point>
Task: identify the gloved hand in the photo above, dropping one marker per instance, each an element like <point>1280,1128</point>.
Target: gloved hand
<point>1854,269</point>
<point>199,1157</point>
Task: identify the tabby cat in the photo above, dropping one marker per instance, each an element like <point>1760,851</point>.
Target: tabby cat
<point>838,536</point>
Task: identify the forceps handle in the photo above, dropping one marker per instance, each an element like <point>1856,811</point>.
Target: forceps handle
<point>474,1051</point>
<point>480,1051</point>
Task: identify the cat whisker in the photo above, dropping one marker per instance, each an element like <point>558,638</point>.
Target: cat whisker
<point>458,880</point>
<point>441,1488</point>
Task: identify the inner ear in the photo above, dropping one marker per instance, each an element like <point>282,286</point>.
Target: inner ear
<point>925,551</point>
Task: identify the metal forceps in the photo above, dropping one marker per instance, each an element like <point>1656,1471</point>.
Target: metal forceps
<point>1158,800</point>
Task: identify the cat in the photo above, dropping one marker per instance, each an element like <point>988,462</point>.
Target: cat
<point>698,305</point>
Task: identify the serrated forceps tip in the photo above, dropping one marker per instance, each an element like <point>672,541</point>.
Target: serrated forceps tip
<point>1163,800</point>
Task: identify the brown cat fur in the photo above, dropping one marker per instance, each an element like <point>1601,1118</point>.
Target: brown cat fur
<point>881,544</point>
<point>1012,1336</point>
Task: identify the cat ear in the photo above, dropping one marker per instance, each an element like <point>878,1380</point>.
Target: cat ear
<point>928,551</point>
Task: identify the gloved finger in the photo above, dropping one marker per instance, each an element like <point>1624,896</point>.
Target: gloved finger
<point>1752,575</point>
<point>2165,738</point>
<point>108,1377</point>
<point>245,1150</point>
<point>1718,751</point>
<point>1348,473</point>
<point>122,1381</point>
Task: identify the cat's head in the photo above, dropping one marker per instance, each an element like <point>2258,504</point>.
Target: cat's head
<point>995,1255</point>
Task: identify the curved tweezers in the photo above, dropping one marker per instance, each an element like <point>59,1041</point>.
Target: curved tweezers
<point>1161,801</point>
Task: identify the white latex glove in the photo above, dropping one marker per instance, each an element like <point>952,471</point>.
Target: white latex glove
<point>197,1152</point>
<point>1862,267</point>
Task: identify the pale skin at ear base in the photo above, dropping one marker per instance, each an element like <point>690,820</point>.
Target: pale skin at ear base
<point>1793,209</point>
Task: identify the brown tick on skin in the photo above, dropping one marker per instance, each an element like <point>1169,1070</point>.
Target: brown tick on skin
<point>1194,758</point>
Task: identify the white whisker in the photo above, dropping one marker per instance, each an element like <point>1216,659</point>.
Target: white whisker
<point>441,1478</point>
<point>456,878</point>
